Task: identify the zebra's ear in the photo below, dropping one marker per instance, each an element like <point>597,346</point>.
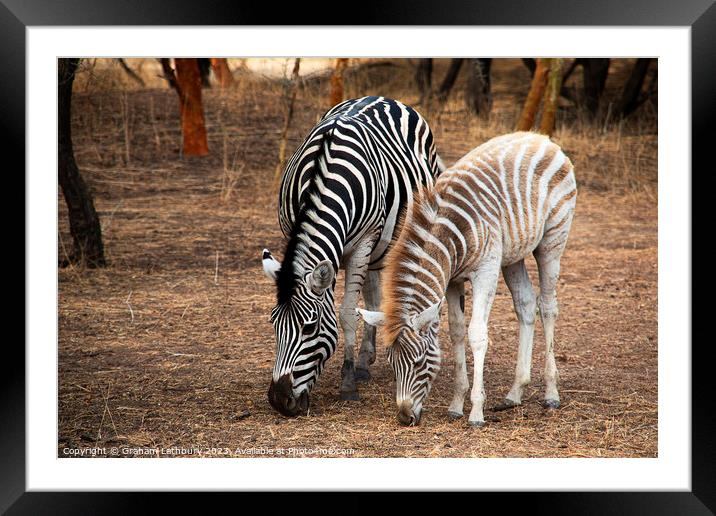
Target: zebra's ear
<point>271,265</point>
<point>372,318</point>
<point>322,277</point>
<point>427,316</point>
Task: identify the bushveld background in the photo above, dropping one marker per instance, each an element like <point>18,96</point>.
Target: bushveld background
<point>170,344</point>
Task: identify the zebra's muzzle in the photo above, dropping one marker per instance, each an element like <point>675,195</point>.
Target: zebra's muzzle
<point>281,398</point>
<point>406,415</point>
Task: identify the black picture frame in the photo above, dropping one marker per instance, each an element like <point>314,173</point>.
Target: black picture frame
<point>700,15</point>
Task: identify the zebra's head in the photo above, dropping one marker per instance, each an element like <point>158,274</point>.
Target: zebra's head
<point>414,356</point>
<point>306,334</point>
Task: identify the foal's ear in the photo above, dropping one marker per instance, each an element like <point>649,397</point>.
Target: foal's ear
<point>427,316</point>
<point>372,318</point>
<point>271,264</point>
<point>322,277</point>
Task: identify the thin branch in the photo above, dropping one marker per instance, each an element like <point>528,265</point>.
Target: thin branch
<point>132,74</point>
<point>287,121</point>
<point>131,312</point>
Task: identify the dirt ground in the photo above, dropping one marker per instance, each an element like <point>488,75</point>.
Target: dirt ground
<point>171,345</point>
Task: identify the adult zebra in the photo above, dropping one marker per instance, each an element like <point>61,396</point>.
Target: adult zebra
<point>510,197</point>
<point>340,197</point>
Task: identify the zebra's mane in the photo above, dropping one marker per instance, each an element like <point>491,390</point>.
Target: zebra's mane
<point>396,277</point>
<point>294,253</point>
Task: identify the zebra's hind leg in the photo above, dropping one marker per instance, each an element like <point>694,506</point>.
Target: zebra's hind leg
<point>366,356</point>
<point>525,303</point>
<point>356,270</point>
<point>548,263</point>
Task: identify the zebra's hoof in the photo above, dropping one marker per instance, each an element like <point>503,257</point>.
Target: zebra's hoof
<point>349,396</point>
<point>551,404</point>
<point>476,424</point>
<point>454,416</point>
<point>505,405</point>
<point>363,375</point>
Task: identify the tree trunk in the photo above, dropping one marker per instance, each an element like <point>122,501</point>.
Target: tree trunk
<point>204,71</point>
<point>630,96</point>
<point>478,96</point>
<point>337,82</point>
<point>222,72</point>
<point>449,79</point>
<point>168,73</point>
<point>424,79</point>
<point>551,96</point>
<point>188,81</point>
<point>539,82</point>
<point>595,77</point>
<point>287,121</point>
<point>572,66</point>
<point>530,63</point>
<point>84,223</point>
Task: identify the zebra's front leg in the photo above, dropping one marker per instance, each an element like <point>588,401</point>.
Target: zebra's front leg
<point>456,317</point>
<point>356,271</point>
<point>366,356</point>
<point>484,285</point>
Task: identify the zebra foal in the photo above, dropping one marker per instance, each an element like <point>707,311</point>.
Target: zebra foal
<point>512,196</point>
<point>340,196</point>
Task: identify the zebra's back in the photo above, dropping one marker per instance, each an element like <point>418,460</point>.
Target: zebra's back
<point>374,152</point>
<point>521,186</point>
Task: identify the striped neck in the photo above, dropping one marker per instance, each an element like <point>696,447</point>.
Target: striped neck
<point>420,266</point>
<point>313,239</point>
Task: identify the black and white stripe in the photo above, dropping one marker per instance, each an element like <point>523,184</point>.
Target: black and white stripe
<point>341,195</point>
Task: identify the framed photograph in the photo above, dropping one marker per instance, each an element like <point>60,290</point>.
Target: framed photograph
<point>443,250</point>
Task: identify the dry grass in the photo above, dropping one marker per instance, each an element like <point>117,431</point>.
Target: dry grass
<point>171,344</point>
